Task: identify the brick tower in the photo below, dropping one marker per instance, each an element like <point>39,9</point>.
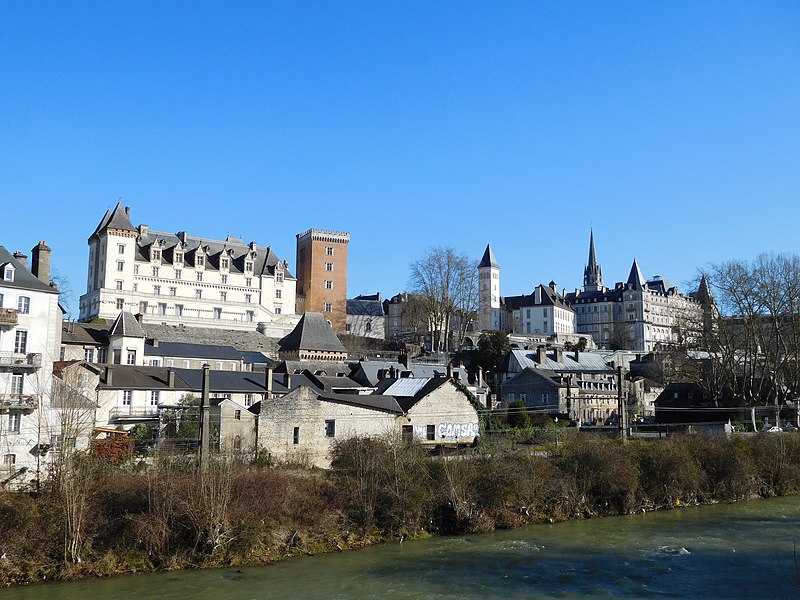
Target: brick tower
<point>322,275</point>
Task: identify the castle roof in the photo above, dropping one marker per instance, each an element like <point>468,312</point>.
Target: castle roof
<point>312,333</point>
<point>488,259</point>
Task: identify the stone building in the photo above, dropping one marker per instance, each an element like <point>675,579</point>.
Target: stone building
<point>322,275</point>
<point>181,279</point>
<point>312,339</point>
<point>365,316</point>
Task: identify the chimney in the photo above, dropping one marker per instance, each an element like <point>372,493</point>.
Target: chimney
<point>538,294</point>
<point>577,356</point>
<point>40,262</point>
<point>559,355</point>
<point>541,355</point>
<point>268,383</point>
<point>109,375</point>
<point>23,258</point>
<point>403,359</point>
<point>171,378</point>
<point>287,380</point>
<point>480,377</point>
<point>449,370</point>
<point>143,229</point>
<point>392,372</point>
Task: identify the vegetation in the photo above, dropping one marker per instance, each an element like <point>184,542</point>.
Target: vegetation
<point>100,517</point>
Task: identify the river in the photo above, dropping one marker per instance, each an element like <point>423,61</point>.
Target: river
<point>744,550</point>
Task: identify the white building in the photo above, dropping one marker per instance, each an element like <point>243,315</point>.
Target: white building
<point>30,326</point>
<point>179,279</point>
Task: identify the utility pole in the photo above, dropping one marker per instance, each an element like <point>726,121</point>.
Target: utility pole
<point>204,415</point>
<point>623,412</point>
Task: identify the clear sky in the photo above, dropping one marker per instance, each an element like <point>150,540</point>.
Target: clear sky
<point>672,129</point>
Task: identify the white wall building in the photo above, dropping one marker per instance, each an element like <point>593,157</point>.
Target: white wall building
<point>179,279</point>
<point>30,326</point>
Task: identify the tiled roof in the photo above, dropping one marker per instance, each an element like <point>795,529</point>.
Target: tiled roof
<point>371,308</point>
<point>126,325</point>
<point>312,333</point>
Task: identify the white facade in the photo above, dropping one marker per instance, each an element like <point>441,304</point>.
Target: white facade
<point>30,324</point>
<point>490,315</point>
<point>180,279</point>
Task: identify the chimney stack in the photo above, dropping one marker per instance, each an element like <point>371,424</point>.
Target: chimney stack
<point>559,355</point>
<point>577,356</point>
<point>403,359</point>
<point>287,380</point>
<point>109,375</point>
<point>541,355</point>
<point>268,383</point>
<point>23,258</point>
<point>449,370</point>
<point>40,262</point>
<point>171,378</point>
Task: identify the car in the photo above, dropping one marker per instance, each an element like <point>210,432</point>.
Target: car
<point>773,429</point>
<point>789,426</point>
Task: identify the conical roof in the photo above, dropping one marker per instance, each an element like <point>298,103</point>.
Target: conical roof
<point>488,259</point>
<point>312,333</point>
<point>115,219</point>
<point>636,279</point>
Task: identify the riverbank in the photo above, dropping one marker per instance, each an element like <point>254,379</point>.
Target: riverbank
<point>105,519</point>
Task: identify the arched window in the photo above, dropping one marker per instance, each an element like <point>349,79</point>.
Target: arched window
<point>237,444</point>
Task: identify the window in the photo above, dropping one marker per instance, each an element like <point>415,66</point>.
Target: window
<point>278,293</point>
<point>8,273</point>
<point>88,355</point>
<point>223,296</point>
<point>430,432</point>
<point>200,260</point>
<point>330,428</point>
<point>408,433</point>
<point>248,298</point>
<point>219,365</point>
<point>199,276</point>
<point>237,443</point>
<point>328,284</point>
<point>21,342</point>
<point>248,282</point>
<point>328,266</point>
<point>120,265</point>
<point>143,307</point>
<point>237,415</point>
<point>9,460</point>
<point>296,436</point>
<point>162,308</point>
<point>127,397</point>
<point>249,316</point>
<point>277,310</point>
<point>279,277</point>
<point>248,265</point>
<point>102,355</point>
<point>173,291</point>
<point>120,248</point>
<point>329,250</point>
<point>224,279</point>
<point>217,313</point>
<point>1,300</point>
<point>179,258</point>
<point>24,305</point>
<point>248,400</point>
<point>131,357</point>
<point>328,307</point>
<point>198,294</point>
<point>177,273</point>
<point>154,399</point>
<point>347,327</point>
<point>14,419</point>
<point>119,284</point>
<point>224,264</point>
<point>179,310</point>
<point>155,271</point>
<point>157,290</point>
<point>135,269</point>
<point>17,384</point>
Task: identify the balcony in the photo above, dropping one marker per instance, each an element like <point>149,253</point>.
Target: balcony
<point>15,360</point>
<point>23,401</point>
<point>127,414</point>
<point>8,316</point>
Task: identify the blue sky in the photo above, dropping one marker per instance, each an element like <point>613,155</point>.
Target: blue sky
<point>672,129</point>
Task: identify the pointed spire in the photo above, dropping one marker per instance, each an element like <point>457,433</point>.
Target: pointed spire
<point>703,290</point>
<point>592,274</point>
<point>126,325</point>
<point>119,218</point>
<point>636,279</point>
<point>488,259</point>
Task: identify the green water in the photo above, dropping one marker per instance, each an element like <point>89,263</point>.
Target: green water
<point>744,550</point>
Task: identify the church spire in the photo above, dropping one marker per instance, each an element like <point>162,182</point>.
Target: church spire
<point>592,274</point>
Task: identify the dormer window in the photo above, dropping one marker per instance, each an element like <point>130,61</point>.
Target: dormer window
<point>248,266</point>
<point>155,255</point>
<point>224,263</point>
<point>8,273</point>
<point>179,258</point>
<point>200,260</point>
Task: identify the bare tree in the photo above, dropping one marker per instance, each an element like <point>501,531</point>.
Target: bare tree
<point>444,282</point>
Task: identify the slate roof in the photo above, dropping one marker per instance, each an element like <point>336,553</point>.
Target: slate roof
<point>366,371</point>
<point>550,297</point>
<point>370,308</point>
<point>185,350</point>
<point>488,259</point>
<point>408,394</point>
<point>312,333</point>
<point>299,366</point>
<point>373,401</point>
<point>126,325</point>
<point>587,361</point>
<point>118,218</point>
<point>83,333</point>
<point>635,278</point>
<point>23,278</point>
<point>241,340</point>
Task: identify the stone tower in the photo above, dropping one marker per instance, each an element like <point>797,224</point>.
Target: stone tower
<point>592,275</point>
<point>489,313</point>
<point>322,275</point>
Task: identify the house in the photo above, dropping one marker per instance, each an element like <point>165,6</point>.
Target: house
<point>365,317</point>
<point>303,425</point>
<point>181,279</point>
<point>30,321</point>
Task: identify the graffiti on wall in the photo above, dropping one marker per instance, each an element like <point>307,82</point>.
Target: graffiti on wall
<point>454,431</point>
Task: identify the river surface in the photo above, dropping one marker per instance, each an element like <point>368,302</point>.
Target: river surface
<point>744,550</point>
